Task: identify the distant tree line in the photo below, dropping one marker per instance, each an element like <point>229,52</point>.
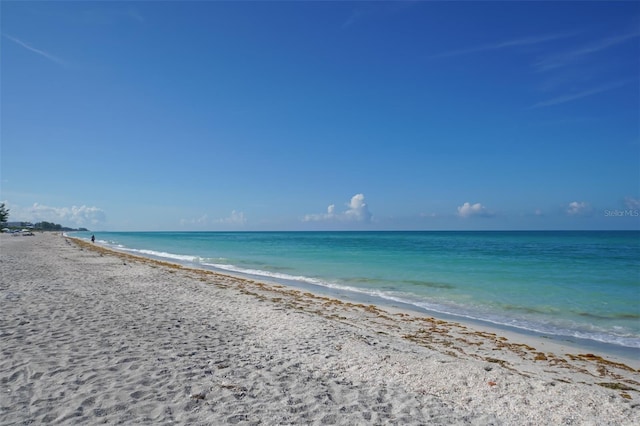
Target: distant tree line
<point>42,226</point>
<point>49,226</point>
<point>4,214</point>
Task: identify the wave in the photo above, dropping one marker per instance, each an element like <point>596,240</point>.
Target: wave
<point>165,255</point>
<point>430,284</point>
<point>621,316</point>
<point>617,337</point>
<point>621,338</point>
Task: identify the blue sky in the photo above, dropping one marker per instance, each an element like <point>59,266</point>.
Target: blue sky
<point>321,115</point>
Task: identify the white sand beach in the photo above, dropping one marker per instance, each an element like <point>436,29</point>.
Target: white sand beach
<point>91,336</point>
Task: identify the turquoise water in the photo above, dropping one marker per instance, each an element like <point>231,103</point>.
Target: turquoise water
<point>580,285</point>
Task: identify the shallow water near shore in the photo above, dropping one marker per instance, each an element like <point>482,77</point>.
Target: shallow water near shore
<point>93,335</point>
<point>581,287</point>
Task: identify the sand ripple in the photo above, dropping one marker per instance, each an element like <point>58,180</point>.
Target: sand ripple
<point>88,337</point>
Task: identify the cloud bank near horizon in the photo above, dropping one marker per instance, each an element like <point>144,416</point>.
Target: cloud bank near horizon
<point>357,211</point>
<point>234,218</point>
<point>74,216</point>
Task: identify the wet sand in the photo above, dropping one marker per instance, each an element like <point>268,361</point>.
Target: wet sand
<point>90,336</point>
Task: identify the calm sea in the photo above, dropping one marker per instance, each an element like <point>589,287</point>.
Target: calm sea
<point>577,286</point>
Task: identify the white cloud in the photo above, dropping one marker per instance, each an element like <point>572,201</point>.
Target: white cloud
<point>357,211</point>
<point>577,208</point>
<point>525,41</point>
<point>579,95</point>
<point>318,217</point>
<point>571,57</point>
<point>202,220</point>
<point>34,50</point>
<point>468,210</point>
<point>632,203</point>
<point>235,218</point>
<point>74,216</point>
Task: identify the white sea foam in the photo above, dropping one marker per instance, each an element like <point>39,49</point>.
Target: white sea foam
<point>156,254</point>
<point>450,310</point>
<point>465,310</point>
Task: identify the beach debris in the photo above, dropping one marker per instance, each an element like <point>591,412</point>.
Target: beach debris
<point>617,386</point>
<point>540,357</point>
<point>496,361</point>
<point>490,383</point>
<point>600,360</point>
<point>199,395</point>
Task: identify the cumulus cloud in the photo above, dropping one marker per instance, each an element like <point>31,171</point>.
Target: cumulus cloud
<point>318,217</point>
<point>468,210</point>
<point>577,208</point>
<point>357,211</point>
<point>74,216</point>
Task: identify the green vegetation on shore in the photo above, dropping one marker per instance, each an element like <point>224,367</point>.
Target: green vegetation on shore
<point>49,226</point>
<point>40,226</point>
<point>4,214</point>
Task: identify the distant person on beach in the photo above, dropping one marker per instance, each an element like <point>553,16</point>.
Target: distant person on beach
<point>93,238</point>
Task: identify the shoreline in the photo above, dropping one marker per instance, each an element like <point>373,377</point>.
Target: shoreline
<point>531,339</point>
<point>558,343</point>
<point>93,334</point>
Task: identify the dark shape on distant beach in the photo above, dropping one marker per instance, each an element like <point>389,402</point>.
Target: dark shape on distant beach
<point>93,238</point>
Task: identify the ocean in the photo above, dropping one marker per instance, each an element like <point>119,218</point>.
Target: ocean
<point>581,287</point>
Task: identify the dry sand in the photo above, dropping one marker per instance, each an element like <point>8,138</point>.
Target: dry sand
<point>93,336</point>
